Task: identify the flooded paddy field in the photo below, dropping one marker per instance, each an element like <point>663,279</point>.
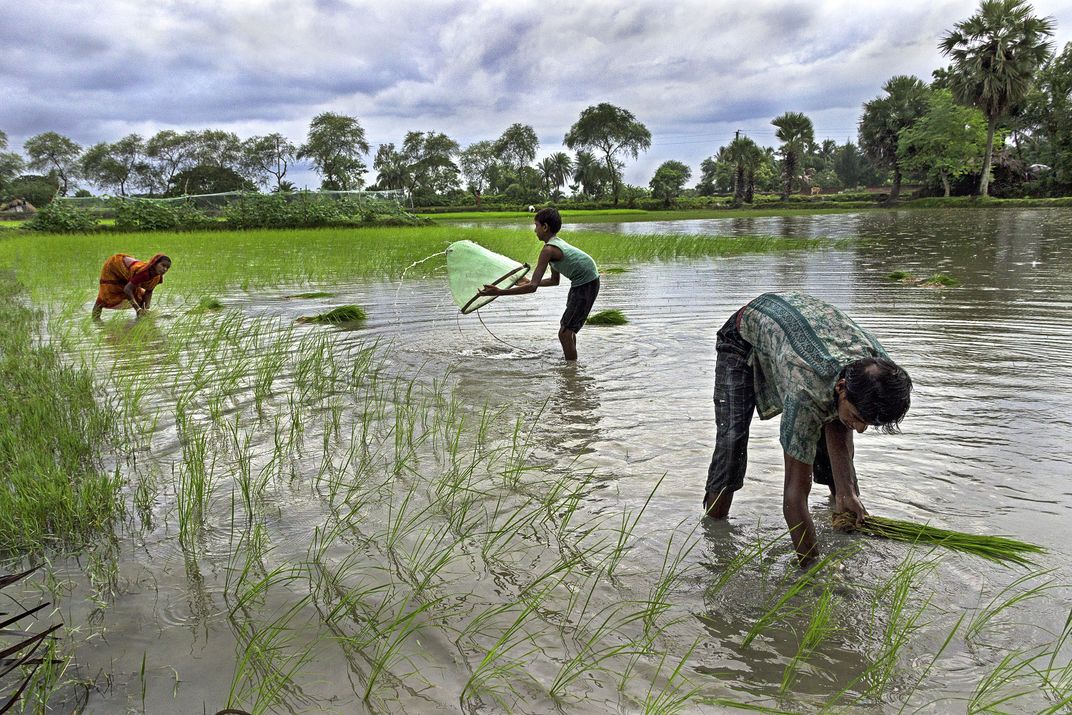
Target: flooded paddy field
<point>431,512</point>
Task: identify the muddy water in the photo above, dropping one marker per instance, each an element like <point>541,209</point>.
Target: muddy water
<point>984,448</point>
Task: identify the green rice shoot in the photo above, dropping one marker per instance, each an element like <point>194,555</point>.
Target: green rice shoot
<point>607,317</point>
<point>336,316</point>
<point>899,276</point>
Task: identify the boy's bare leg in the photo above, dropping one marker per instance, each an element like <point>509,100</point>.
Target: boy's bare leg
<point>568,338</point>
<point>717,506</point>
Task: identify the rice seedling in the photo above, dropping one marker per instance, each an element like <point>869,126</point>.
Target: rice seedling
<point>1009,597</point>
<point>338,316</point>
<point>820,627</point>
<point>899,276</point>
<point>803,581</point>
<point>607,317</point>
<point>999,549</point>
<point>615,270</point>
<point>676,691</point>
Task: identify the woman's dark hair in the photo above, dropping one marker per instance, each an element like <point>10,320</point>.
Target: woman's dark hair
<point>551,217</point>
<point>880,390</point>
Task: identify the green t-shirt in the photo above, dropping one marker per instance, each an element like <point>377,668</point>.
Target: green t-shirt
<point>799,346</point>
<point>576,265</point>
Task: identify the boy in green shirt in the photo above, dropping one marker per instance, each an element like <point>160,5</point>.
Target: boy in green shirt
<point>562,259</point>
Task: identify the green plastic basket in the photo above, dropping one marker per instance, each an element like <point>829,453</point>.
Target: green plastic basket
<point>470,267</point>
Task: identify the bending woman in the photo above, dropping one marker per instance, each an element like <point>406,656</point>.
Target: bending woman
<point>126,282</point>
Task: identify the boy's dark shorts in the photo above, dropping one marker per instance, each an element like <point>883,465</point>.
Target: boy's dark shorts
<point>579,304</point>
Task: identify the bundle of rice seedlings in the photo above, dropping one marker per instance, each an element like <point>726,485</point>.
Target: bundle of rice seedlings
<point>342,314</point>
<point>607,317</point>
<point>311,294</point>
<point>1000,549</point>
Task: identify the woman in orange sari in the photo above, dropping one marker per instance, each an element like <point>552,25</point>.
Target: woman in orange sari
<point>126,282</point>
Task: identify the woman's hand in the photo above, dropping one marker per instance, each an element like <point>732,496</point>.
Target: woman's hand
<point>490,290</point>
<point>851,503</point>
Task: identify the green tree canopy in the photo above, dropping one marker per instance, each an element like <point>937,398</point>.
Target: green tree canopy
<point>114,166</point>
<point>946,142</point>
<point>215,147</point>
<point>797,134</point>
<point>885,117</point>
<point>11,164</point>
<point>208,180</point>
<point>56,155</point>
<point>168,152</point>
<point>517,146</point>
<point>335,145</point>
<point>995,54</point>
<point>266,159</point>
<point>669,180</point>
<point>1048,109</point>
<point>477,161</point>
<point>612,131</point>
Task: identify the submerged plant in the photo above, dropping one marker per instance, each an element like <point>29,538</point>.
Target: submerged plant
<point>311,294</point>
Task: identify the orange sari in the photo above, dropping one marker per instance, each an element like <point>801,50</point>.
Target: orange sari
<point>116,274</point>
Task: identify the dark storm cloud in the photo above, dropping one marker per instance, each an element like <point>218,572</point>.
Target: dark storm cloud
<point>687,69</point>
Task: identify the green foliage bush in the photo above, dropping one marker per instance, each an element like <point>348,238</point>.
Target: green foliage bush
<point>61,217</point>
<point>309,210</point>
<point>151,215</point>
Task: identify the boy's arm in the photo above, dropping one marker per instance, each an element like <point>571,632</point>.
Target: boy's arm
<point>547,254</point>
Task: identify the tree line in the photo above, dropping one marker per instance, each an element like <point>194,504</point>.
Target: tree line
<point>995,118</point>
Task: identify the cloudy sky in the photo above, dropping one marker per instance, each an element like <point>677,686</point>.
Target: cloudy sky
<point>692,72</point>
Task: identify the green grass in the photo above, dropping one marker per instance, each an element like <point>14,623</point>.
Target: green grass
<point>899,276</point>
<point>607,317</point>
<point>52,437</point>
<point>214,262</point>
<point>336,316</point>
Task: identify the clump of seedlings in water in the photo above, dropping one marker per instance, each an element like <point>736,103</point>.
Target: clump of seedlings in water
<point>613,270</point>
<point>310,295</point>
<point>607,317</point>
<point>940,280</point>
<point>337,316</point>
<point>900,276</point>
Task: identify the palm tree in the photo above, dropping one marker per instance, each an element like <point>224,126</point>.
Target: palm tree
<point>588,172</point>
<point>884,119</point>
<point>742,152</point>
<point>797,135</point>
<point>996,53</point>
